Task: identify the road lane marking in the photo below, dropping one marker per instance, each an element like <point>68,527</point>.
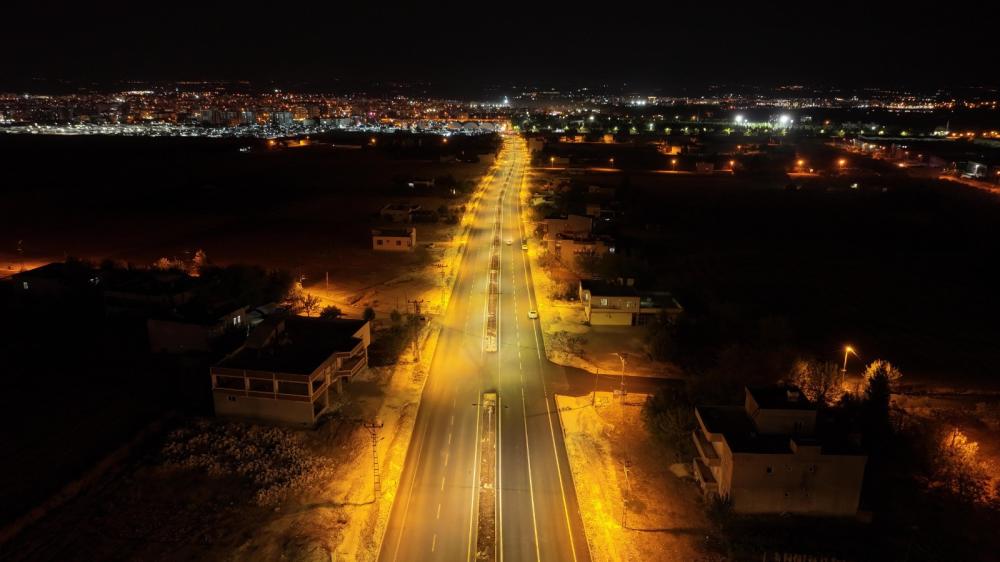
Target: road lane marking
<point>442,483</point>
<point>439,511</point>
<point>434,542</point>
<point>531,486</point>
<point>475,478</point>
<point>555,450</point>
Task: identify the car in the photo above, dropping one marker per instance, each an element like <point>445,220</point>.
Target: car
<point>533,314</point>
<point>509,241</point>
<point>524,245</point>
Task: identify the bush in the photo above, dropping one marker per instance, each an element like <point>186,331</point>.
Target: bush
<point>669,416</point>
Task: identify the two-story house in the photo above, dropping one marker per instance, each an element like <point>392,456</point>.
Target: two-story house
<point>286,368</point>
<point>773,456</point>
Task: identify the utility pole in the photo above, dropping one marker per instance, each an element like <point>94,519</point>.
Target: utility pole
<point>373,431</point>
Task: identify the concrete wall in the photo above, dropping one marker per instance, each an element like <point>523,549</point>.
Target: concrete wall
<point>392,244</point>
<point>797,483</point>
<point>601,317</point>
<point>282,411</point>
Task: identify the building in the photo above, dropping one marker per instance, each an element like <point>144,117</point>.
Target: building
<point>562,224</point>
<point>57,280</point>
<point>772,455</point>
<point>194,326</point>
<point>608,304</point>
<point>142,292</point>
<point>394,239</point>
<point>285,370</point>
<point>398,212</point>
<point>570,245</point>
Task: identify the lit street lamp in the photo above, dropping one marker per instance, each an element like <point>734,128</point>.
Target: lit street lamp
<point>848,350</point>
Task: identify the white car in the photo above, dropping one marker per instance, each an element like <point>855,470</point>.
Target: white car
<point>509,241</point>
<point>533,314</point>
<point>524,245</point>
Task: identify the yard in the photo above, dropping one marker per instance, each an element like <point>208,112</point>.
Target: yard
<point>637,501</point>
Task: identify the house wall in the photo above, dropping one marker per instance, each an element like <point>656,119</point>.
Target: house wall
<point>805,482</point>
<point>392,244</point>
<point>282,411</point>
<point>619,310</point>
<point>601,317</point>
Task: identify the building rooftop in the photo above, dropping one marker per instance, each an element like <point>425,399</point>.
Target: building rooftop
<point>605,289</point>
<point>399,232</point>
<point>295,344</point>
<point>780,397</point>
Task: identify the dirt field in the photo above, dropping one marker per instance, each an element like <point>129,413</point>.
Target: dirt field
<point>665,518</point>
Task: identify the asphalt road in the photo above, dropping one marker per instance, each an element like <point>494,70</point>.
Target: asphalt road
<point>434,513</point>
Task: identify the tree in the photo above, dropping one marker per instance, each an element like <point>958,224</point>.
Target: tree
<point>820,382</point>
<point>330,312</point>
<point>369,314</point>
<point>880,376</point>
<point>199,261</point>
<point>960,470</point>
<point>669,416</point>
<point>660,338</point>
<point>309,304</point>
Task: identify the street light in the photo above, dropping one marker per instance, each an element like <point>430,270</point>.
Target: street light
<point>552,161</point>
<point>842,162</point>
<point>673,163</point>
<point>612,162</point>
<point>622,357</point>
<point>848,350</point>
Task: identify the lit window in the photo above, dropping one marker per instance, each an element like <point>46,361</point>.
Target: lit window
<point>604,302</point>
<point>25,284</point>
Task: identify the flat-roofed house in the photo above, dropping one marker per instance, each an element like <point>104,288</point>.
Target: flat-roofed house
<point>773,455</point>
<point>286,368</point>
<point>608,304</point>
<point>394,239</point>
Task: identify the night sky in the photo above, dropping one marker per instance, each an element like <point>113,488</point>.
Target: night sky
<point>474,45</point>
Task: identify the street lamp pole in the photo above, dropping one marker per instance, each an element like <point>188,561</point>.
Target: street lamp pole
<point>622,357</point>
<point>843,371</point>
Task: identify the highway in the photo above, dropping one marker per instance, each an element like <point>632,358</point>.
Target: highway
<point>434,514</point>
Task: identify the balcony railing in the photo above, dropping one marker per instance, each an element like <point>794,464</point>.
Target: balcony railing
<point>704,447</point>
<point>352,366</point>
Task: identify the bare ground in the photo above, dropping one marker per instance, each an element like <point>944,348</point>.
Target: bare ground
<point>665,517</point>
